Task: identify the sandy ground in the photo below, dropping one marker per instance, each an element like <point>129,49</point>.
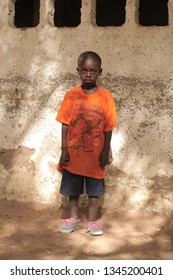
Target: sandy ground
<point>29,232</point>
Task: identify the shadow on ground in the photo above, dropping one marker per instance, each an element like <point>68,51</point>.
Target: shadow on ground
<point>29,231</point>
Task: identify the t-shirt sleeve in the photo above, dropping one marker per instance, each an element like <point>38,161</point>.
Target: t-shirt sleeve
<point>110,114</point>
<point>65,110</point>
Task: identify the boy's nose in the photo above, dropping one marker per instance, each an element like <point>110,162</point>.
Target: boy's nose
<point>88,74</point>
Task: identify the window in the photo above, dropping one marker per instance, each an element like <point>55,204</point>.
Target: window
<point>26,13</point>
<point>153,12</point>
<point>110,12</point>
<point>67,13</point>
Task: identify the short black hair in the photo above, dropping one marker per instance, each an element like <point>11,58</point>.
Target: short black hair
<point>89,54</point>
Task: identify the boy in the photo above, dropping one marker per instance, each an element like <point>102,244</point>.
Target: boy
<point>88,116</point>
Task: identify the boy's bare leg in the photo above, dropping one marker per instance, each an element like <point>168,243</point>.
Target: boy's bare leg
<point>93,208</point>
<point>94,228</point>
<point>70,224</point>
<point>74,201</point>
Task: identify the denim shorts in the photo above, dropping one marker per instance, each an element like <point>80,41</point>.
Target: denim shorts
<point>73,184</point>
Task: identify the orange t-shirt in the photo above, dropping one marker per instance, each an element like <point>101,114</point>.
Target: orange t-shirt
<point>88,116</point>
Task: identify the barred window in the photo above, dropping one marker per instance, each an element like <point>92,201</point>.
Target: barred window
<point>110,12</point>
<point>67,13</point>
<point>153,12</point>
<point>27,13</point>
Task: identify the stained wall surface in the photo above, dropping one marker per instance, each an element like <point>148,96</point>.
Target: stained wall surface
<point>38,65</point>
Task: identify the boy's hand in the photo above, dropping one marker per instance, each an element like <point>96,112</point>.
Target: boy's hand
<point>64,158</point>
<point>104,158</point>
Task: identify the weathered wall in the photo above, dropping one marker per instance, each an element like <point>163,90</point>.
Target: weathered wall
<point>38,66</point>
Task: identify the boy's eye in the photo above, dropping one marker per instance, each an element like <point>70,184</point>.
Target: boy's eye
<point>92,70</point>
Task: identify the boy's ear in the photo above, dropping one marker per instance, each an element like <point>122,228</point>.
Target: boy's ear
<point>77,69</point>
<point>100,72</point>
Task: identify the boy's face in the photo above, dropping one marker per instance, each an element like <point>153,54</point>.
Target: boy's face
<point>89,71</point>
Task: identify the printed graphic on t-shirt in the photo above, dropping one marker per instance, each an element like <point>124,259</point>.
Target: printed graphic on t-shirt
<point>85,127</point>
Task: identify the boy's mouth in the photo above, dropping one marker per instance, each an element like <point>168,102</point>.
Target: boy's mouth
<point>88,81</point>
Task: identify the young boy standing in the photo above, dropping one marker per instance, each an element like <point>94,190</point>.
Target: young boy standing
<point>88,116</point>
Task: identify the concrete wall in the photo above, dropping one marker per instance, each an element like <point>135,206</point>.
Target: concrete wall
<point>38,66</point>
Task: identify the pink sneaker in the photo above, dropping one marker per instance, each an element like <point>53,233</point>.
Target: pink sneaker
<point>94,228</point>
<point>69,225</point>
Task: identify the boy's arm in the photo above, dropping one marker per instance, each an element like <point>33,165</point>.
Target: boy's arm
<point>64,132</point>
<point>104,156</point>
<point>64,154</point>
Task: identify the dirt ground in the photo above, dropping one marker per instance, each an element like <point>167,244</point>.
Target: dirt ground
<point>29,232</point>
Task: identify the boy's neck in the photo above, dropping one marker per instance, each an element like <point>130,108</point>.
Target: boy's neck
<point>89,88</point>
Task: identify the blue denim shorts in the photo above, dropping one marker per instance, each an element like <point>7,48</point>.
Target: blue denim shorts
<point>73,184</point>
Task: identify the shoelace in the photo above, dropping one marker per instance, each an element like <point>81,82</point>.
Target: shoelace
<point>92,224</point>
<point>69,220</point>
